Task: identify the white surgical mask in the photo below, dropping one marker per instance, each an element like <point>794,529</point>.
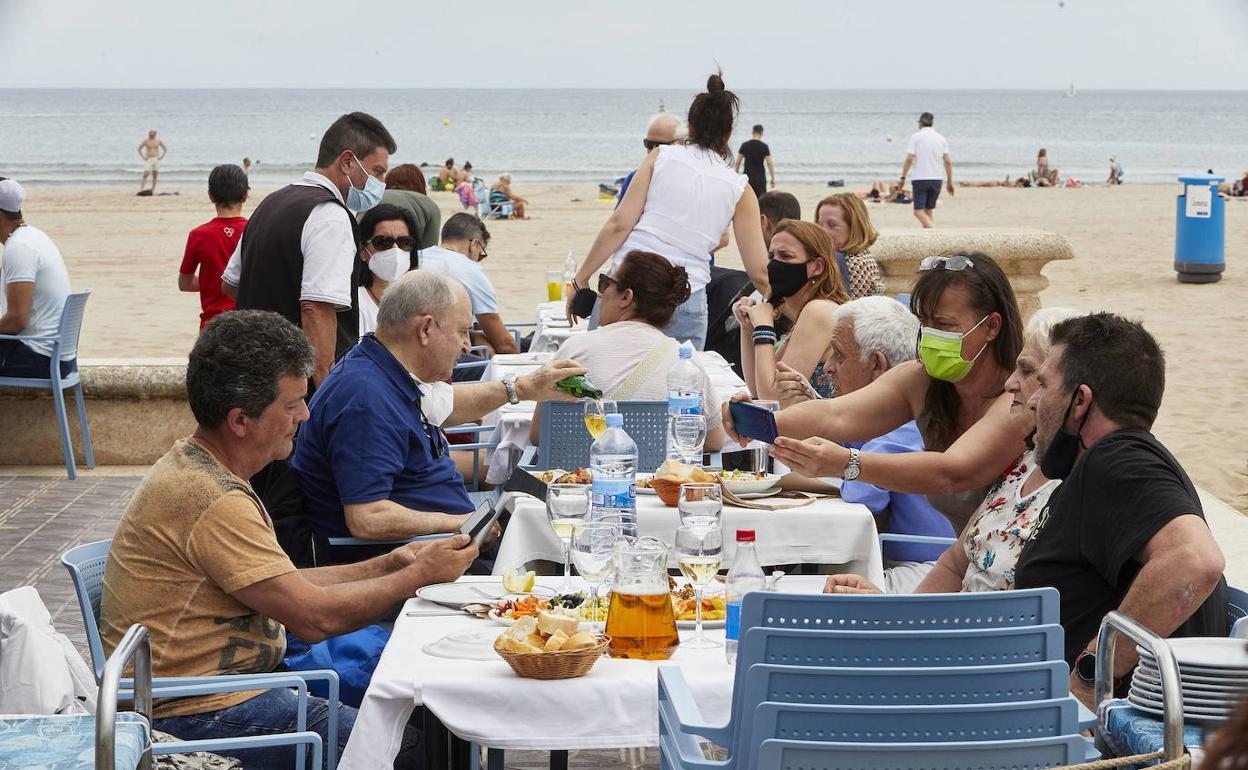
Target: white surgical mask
<point>391,264</point>
<point>437,401</point>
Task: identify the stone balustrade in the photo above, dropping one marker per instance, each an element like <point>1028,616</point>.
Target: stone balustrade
<point>137,407</point>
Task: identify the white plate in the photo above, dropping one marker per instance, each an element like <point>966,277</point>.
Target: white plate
<point>556,323</point>
<point>1200,673</point>
<point>764,484</point>
<point>456,595</point>
<point>477,644</point>
<point>1155,699</point>
<point>1207,652</point>
<point>521,359</point>
<point>1189,714</point>
<point>1153,680</point>
<point>494,616</point>
<point>645,490</point>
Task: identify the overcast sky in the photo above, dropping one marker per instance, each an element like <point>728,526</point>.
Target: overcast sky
<point>1142,44</point>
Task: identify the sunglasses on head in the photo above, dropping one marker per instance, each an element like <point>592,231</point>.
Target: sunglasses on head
<point>650,144</point>
<point>956,263</point>
<point>383,242</point>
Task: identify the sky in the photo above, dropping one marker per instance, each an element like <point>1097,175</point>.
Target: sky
<point>817,44</point>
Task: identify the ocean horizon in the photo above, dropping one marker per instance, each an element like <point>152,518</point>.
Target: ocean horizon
<point>561,136</point>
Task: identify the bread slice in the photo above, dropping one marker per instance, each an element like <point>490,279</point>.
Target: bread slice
<point>548,623</point>
<point>555,642</point>
<point>580,640</point>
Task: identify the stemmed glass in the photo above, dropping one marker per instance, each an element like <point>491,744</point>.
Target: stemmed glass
<point>688,436</point>
<point>700,504</point>
<point>698,550</point>
<point>592,550</point>
<point>596,415</point>
<point>567,506</point>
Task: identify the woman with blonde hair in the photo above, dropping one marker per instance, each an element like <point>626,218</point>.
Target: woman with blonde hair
<point>806,287</point>
<point>846,220</point>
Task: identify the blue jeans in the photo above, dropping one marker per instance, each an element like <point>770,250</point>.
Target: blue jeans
<point>689,322</point>
<point>274,712</point>
<point>17,360</point>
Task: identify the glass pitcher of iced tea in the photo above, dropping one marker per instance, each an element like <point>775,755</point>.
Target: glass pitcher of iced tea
<point>640,620</point>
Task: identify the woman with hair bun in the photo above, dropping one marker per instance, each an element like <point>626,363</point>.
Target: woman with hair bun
<point>628,355</point>
<point>680,204</point>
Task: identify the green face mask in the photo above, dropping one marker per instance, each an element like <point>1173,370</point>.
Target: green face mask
<point>941,353</point>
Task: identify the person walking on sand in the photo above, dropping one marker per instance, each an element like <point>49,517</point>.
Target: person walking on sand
<point>928,153</point>
<point>152,151</point>
<point>757,158</point>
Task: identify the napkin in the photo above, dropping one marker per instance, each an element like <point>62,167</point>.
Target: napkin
<point>790,500</point>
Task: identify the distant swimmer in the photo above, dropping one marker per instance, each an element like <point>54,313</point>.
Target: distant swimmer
<point>152,151</point>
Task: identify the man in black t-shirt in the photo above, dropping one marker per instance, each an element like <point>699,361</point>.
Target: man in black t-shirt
<point>757,158</point>
<point>1125,530</point>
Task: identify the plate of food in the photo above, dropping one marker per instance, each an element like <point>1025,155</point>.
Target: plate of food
<point>747,482</point>
<point>576,607</point>
<point>643,484</point>
<point>561,476</point>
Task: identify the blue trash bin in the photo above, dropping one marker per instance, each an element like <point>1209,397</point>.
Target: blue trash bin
<point>1200,230</point>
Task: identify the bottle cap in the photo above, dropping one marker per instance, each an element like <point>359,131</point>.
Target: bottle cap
<point>615,420</point>
<point>686,351</point>
<point>745,536</point>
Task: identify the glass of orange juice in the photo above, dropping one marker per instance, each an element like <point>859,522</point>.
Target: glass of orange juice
<point>554,285</point>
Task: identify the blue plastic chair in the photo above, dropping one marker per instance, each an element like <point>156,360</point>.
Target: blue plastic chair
<point>515,331</point>
<point>1033,754</point>
<point>1237,612</point>
<point>64,343</point>
<point>564,443</point>
<point>85,564</point>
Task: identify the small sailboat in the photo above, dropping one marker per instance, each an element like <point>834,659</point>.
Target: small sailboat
<point>1070,92</point>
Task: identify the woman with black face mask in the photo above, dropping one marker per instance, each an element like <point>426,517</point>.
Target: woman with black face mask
<point>806,287</point>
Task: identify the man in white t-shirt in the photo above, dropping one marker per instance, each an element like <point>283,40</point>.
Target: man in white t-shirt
<point>928,153</point>
<point>464,240</point>
<point>33,288</point>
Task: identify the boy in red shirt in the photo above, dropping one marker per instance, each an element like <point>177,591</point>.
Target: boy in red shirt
<point>210,245</point>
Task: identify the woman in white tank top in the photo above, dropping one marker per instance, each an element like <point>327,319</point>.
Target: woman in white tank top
<point>680,204</point>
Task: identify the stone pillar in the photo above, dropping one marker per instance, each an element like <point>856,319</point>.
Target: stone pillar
<point>1021,253</point>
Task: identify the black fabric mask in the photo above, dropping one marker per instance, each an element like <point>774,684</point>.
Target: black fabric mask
<point>786,279</point>
<point>1059,459</point>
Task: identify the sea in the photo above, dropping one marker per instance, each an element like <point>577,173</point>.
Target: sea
<point>594,136</point>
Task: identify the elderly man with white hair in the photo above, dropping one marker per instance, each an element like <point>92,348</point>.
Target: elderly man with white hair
<point>372,460</point>
<point>664,128</point>
<point>870,336</point>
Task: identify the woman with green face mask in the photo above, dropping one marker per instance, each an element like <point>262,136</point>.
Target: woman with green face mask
<point>971,335</point>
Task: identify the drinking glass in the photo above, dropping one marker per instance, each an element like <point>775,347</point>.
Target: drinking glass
<point>700,504</point>
<point>592,550</point>
<point>567,506</point>
<point>596,416</point>
<point>698,550</point>
<point>554,285</point>
<point>763,460</point>
<point>688,436</point>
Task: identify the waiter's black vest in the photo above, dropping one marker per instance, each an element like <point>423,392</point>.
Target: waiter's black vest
<point>272,260</point>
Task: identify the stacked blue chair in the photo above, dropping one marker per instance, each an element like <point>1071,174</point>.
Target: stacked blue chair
<point>845,681</point>
<point>85,564</point>
<point>564,442</point>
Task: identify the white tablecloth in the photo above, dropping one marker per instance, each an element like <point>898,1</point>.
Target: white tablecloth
<point>828,531</point>
<point>615,705</point>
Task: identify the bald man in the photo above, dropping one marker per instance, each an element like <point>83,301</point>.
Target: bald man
<point>664,128</point>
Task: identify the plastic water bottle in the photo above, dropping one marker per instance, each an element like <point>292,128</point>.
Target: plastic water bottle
<point>613,467</point>
<point>569,273</point>
<point>745,575</point>
<point>684,393</point>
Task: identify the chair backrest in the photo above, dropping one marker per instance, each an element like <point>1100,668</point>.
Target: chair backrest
<point>1031,754</point>
<point>85,564</point>
<point>71,323</point>
<point>901,612</point>
<point>1236,610</point>
<point>913,724</point>
<point>564,442</point>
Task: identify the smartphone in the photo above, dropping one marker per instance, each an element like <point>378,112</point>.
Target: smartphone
<point>752,421</point>
<point>480,523</point>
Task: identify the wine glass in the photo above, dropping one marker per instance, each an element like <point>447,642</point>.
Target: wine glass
<point>688,436</point>
<point>698,550</point>
<point>700,504</point>
<point>567,506</point>
<point>592,550</point>
<point>596,412</point>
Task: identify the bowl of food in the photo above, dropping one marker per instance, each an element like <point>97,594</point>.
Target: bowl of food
<point>747,482</point>
<point>561,476</point>
<point>549,647</point>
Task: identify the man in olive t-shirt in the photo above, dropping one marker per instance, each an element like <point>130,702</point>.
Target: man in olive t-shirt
<point>196,560</point>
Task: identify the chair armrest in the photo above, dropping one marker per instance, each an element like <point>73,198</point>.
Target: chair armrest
<point>466,428</point>
<point>894,537</point>
<point>674,695</point>
<point>414,539</point>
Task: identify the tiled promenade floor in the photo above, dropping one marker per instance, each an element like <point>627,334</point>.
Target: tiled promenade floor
<point>42,517</point>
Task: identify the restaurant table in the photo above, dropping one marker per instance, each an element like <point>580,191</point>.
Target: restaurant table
<point>614,705</point>
<point>1128,731</point>
<point>513,421</point>
<point>828,531</point>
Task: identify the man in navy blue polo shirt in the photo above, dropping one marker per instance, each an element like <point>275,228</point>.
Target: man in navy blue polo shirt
<point>372,460</point>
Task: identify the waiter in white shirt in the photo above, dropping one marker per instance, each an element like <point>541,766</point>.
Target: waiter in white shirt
<point>928,154</point>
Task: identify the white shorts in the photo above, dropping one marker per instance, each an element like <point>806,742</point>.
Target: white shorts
<point>151,164</point>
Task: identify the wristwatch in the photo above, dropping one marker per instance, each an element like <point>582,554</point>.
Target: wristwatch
<point>852,468</point>
<point>509,382</point>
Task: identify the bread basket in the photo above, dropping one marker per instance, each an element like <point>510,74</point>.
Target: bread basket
<point>562,664</point>
<point>668,489</point>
